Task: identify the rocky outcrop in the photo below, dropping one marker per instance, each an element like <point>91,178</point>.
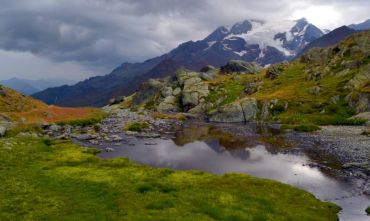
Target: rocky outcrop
<point>194,90</point>
<point>239,111</point>
<point>149,90</point>
<point>170,103</point>
<point>236,66</point>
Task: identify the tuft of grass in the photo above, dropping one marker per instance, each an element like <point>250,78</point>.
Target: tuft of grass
<point>175,116</point>
<point>301,127</point>
<point>23,128</point>
<point>137,126</point>
<point>368,210</point>
<point>60,181</point>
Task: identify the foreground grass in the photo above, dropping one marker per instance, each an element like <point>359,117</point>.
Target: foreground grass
<point>55,180</point>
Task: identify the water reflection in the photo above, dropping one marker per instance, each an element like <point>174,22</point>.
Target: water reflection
<point>252,149</point>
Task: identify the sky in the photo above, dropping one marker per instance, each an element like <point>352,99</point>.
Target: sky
<point>76,39</point>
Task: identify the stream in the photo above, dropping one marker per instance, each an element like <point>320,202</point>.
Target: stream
<point>258,150</point>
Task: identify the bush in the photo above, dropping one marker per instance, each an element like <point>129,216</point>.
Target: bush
<point>137,126</point>
<point>368,210</point>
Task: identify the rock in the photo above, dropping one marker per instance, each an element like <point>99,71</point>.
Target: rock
<point>250,109</point>
<point>334,99</point>
<point>230,113</point>
<point>109,149</point>
<point>351,64</point>
<point>314,90</point>
<point>363,115</point>
<point>150,143</point>
<point>314,76</point>
<point>194,90</point>
<point>237,66</point>
<point>170,103</point>
<point>166,91</point>
<point>252,87</point>
<point>55,128</point>
<point>2,91</point>
<point>208,76</point>
<point>176,92</point>
<point>2,131</point>
<point>267,107</point>
<point>85,136</point>
<point>208,68</point>
<point>274,71</point>
<point>148,91</point>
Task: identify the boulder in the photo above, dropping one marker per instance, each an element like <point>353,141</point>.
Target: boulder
<point>236,66</point>
<point>250,109</point>
<point>166,91</point>
<point>170,103</point>
<point>176,91</point>
<point>148,91</point>
<point>274,71</point>
<point>2,131</point>
<point>231,113</point>
<point>194,91</point>
<point>208,68</point>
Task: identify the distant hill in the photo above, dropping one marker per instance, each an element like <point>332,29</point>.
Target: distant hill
<point>361,26</point>
<point>30,87</point>
<point>12,101</point>
<point>331,38</point>
<point>250,40</point>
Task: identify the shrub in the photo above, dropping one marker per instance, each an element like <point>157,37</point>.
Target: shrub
<point>368,210</point>
<point>137,126</point>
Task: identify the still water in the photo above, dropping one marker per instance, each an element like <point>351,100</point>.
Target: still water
<point>257,150</point>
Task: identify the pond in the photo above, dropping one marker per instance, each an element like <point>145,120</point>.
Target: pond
<point>258,150</point>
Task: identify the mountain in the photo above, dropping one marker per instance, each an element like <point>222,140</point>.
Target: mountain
<point>251,40</point>
<point>331,38</point>
<point>361,26</point>
<point>325,86</point>
<point>29,87</point>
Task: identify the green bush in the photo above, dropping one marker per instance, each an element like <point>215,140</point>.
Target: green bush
<point>368,210</point>
<point>137,126</point>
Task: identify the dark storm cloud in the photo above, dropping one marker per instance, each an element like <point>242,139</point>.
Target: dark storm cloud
<point>104,33</point>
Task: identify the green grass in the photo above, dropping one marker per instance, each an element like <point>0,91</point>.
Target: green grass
<point>23,128</point>
<point>137,126</point>
<point>368,210</point>
<point>94,118</point>
<point>57,180</point>
<point>301,127</point>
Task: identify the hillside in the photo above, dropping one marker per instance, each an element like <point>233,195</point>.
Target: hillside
<point>18,109</point>
<point>324,86</point>
<point>12,101</point>
<point>30,87</point>
<point>250,40</point>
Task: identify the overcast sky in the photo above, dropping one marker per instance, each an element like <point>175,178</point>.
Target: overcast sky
<point>75,39</point>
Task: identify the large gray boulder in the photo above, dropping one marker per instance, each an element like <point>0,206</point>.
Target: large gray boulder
<point>194,90</point>
<point>236,66</point>
<point>170,103</point>
<point>148,91</point>
<point>231,113</point>
<point>250,109</point>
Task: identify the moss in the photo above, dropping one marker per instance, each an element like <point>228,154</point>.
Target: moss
<point>61,182</point>
<point>137,126</point>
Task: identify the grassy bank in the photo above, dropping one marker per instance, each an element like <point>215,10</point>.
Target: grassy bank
<point>55,180</point>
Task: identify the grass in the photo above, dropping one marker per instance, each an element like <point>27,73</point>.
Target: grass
<point>301,127</point>
<point>57,180</point>
<point>137,126</point>
<point>174,116</point>
<point>368,210</point>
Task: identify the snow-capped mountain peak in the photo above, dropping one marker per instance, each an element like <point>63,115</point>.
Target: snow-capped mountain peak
<point>261,41</point>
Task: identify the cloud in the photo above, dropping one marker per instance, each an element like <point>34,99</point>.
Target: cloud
<point>100,34</point>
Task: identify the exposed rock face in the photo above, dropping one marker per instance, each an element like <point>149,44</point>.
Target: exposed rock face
<point>230,113</point>
<point>194,89</point>
<point>148,91</point>
<point>170,103</point>
<point>236,66</point>
<point>250,109</point>
<point>239,111</point>
<point>208,68</point>
<point>2,131</point>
